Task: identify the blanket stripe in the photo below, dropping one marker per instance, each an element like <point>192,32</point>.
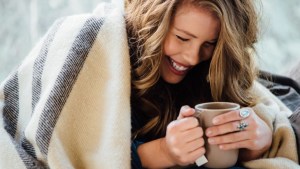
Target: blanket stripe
<point>39,64</point>
<point>65,81</point>
<point>37,78</point>
<point>27,146</point>
<point>11,105</point>
<point>10,115</point>
<point>29,161</point>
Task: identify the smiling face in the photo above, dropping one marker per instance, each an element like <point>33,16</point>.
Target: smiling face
<point>191,39</point>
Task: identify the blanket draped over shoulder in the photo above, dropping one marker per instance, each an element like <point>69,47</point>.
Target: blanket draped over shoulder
<point>283,151</point>
<point>68,104</point>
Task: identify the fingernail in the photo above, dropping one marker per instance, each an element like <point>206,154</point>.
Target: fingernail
<point>211,141</point>
<point>208,132</point>
<point>185,107</point>
<point>215,120</point>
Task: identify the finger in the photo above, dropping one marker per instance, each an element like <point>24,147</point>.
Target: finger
<point>191,157</point>
<point>193,145</point>
<point>235,115</point>
<point>186,111</point>
<point>230,138</point>
<point>226,117</point>
<point>242,144</point>
<point>185,124</point>
<point>194,155</point>
<point>193,134</point>
<point>222,129</point>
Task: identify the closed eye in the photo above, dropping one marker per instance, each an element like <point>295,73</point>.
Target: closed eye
<point>210,43</point>
<point>181,38</point>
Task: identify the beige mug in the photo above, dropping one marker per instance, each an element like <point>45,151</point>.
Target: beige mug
<point>216,157</point>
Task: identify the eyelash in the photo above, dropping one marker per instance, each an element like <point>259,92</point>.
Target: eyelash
<point>207,43</point>
<point>182,39</point>
<point>211,43</point>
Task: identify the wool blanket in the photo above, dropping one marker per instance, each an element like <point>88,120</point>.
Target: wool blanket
<point>283,151</point>
<point>68,104</point>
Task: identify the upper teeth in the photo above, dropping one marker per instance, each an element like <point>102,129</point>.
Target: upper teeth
<point>178,67</point>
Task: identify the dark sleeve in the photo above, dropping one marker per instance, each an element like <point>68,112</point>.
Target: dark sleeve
<point>285,88</point>
<point>135,159</point>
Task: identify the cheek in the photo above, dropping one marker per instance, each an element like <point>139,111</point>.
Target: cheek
<point>206,53</point>
<point>170,46</point>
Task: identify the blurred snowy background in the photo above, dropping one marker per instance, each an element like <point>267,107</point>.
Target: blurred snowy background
<point>23,22</point>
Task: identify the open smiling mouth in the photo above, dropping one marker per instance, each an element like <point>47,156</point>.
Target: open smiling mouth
<point>177,68</point>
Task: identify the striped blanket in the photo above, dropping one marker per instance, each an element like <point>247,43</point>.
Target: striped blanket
<point>68,104</point>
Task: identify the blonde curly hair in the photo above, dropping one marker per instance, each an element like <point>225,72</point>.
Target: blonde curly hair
<point>231,71</point>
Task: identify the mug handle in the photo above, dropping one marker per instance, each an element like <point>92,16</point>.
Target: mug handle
<point>197,116</point>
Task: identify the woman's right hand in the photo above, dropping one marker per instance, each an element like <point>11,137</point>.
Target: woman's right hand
<point>184,141</point>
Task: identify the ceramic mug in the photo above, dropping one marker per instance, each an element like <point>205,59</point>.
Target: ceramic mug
<point>216,157</point>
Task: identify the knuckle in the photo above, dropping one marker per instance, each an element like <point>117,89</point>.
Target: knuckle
<point>256,143</point>
<point>202,151</point>
<point>191,120</point>
<point>172,126</point>
<point>176,152</point>
<point>195,121</point>
<point>200,131</point>
<point>183,160</point>
<point>257,133</point>
<point>253,143</point>
<point>216,130</point>
<point>201,142</point>
<point>173,141</point>
<point>235,125</point>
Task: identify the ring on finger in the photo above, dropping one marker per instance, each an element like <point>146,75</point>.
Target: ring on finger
<point>242,126</point>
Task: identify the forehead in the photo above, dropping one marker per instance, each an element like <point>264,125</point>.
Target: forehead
<point>197,19</point>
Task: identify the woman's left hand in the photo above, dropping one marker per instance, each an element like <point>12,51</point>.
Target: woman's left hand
<point>233,131</point>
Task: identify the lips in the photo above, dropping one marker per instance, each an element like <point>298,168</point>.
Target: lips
<point>177,68</point>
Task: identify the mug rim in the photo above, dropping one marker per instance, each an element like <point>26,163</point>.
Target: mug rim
<point>235,106</point>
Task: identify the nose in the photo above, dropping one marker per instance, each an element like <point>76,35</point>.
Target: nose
<point>192,56</point>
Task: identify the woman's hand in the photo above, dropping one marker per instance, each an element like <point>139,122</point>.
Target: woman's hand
<point>184,138</point>
<point>254,139</point>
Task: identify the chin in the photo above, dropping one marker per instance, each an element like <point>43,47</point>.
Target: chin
<point>172,80</point>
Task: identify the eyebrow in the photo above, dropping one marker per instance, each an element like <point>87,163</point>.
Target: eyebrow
<point>194,36</point>
<point>186,32</point>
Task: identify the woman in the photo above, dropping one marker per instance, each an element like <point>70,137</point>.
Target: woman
<point>187,52</point>
<point>68,104</point>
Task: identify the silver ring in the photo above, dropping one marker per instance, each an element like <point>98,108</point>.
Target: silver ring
<point>242,126</point>
<point>244,113</point>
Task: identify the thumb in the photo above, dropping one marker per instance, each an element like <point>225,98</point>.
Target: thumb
<point>185,111</point>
